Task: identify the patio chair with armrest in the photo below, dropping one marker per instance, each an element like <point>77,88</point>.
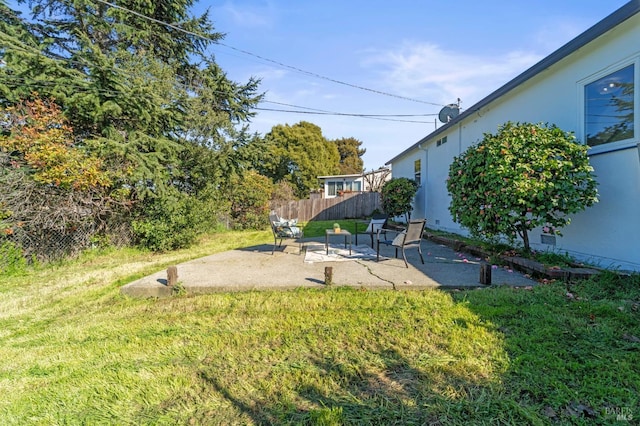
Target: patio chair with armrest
<point>284,229</point>
<point>409,238</point>
<point>377,223</point>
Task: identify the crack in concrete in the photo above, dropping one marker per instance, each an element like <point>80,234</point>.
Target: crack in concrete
<point>377,276</point>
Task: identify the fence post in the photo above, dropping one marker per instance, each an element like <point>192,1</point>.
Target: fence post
<point>328,275</point>
<point>172,276</point>
<point>485,273</point>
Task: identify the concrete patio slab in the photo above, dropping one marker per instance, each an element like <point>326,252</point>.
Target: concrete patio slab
<point>256,268</point>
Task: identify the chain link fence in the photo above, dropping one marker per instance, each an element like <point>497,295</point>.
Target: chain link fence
<point>46,245</point>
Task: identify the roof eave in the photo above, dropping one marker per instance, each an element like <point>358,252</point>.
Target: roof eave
<point>355,175</point>
<point>602,27</point>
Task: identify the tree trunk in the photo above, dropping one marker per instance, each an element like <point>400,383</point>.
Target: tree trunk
<point>525,239</point>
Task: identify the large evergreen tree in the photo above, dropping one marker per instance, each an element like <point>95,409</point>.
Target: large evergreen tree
<point>143,96</point>
<point>130,85</point>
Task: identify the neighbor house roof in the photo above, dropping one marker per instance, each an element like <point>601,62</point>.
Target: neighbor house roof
<point>608,23</point>
<point>341,176</point>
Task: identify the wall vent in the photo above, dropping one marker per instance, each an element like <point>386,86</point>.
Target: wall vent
<point>548,239</point>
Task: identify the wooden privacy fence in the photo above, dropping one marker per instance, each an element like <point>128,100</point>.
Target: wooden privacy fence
<point>347,206</point>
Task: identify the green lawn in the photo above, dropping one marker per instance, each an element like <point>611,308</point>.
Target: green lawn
<point>317,228</point>
<point>75,351</point>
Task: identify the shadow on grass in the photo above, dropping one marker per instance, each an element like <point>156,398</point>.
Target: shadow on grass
<point>572,347</point>
<point>250,408</point>
<point>500,355</point>
<point>394,395</point>
<point>319,373</point>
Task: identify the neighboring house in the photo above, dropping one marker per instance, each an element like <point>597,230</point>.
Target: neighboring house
<point>336,185</point>
<point>588,86</point>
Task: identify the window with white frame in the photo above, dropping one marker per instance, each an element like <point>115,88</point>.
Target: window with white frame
<point>417,171</point>
<point>354,186</point>
<point>331,189</point>
<point>609,108</point>
<point>335,188</point>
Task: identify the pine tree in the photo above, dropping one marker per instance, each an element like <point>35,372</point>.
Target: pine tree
<point>144,97</point>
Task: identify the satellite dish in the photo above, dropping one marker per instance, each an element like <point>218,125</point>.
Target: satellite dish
<point>448,113</point>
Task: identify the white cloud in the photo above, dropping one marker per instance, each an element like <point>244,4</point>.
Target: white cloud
<point>271,73</point>
<point>430,73</point>
<point>304,93</point>
<point>251,15</point>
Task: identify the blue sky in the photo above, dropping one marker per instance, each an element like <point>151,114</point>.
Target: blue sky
<point>430,51</point>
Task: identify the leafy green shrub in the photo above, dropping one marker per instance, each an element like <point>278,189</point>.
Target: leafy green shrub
<point>397,195</point>
<point>525,176</point>
<point>250,195</point>
<point>168,222</point>
<point>176,219</point>
<point>214,209</point>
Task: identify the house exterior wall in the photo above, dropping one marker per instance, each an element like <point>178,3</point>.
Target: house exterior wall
<point>607,233</point>
<point>407,169</point>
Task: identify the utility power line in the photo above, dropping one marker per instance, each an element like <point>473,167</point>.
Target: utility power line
<point>371,116</point>
<point>14,80</point>
<point>314,111</point>
<point>245,52</point>
<point>43,84</point>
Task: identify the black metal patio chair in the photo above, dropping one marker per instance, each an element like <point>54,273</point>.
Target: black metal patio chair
<point>377,225</point>
<point>409,238</point>
<point>284,229</point>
